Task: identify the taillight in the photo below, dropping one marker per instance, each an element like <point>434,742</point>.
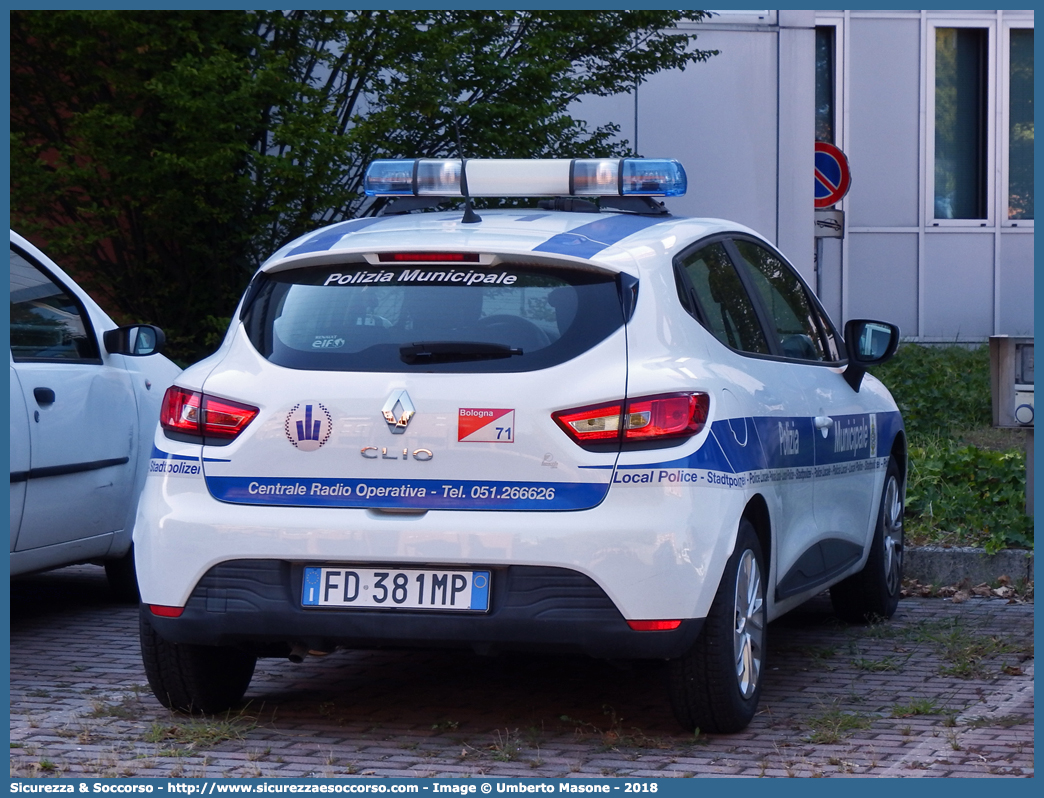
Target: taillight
<point>645,418</point>
<point>670,416</point>
<point>180,411</point>
<point>586,424</point>
<point>166,612</point>
<point>203,416</point>
<point>428,257</point>
<point>653,626</point>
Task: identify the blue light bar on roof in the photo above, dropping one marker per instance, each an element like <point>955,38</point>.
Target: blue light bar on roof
<point>585,177</point>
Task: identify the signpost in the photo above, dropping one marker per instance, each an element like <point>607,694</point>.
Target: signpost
<point>833,180</point>
<point>833,177</point>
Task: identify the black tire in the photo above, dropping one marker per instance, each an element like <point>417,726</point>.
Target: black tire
<point>873,593</point>
<point>716,685</point>
<point>123,580</point>
<point>191,678</point>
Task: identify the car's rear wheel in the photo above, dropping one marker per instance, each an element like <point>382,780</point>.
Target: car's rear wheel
<point>192,678</point>
<point>873,593</point>
<point>716,685</point>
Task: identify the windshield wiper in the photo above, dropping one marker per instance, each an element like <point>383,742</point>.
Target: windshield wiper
<point>453,351</point>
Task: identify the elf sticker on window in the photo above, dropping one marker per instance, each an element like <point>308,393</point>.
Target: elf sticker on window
<point>485,425</point>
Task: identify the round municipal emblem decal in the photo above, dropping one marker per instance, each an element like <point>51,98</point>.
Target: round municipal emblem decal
<point>308,426</point>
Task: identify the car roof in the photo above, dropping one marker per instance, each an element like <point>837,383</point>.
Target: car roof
<point>591,237</point>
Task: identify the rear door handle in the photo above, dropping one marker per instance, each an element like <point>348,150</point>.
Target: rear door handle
<point>44,396</point>
<point>823,424</point>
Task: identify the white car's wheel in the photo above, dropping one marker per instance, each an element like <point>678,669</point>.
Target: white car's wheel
<point>873,593</point>
<point>716,685</point>
<point>193,678</point>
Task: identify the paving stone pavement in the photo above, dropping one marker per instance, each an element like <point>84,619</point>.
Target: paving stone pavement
<point>943,689</point>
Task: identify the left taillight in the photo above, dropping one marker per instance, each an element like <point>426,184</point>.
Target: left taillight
<point>645,418</point>
<point>200,415</point>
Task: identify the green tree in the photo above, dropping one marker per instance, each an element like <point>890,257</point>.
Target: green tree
<point>162,155</point>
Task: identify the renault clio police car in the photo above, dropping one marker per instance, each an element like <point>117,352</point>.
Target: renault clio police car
<point>589,426</point>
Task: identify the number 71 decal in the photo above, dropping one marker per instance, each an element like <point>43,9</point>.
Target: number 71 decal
<point>485,425</point>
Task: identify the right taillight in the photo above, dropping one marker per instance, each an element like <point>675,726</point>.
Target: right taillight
<point>202,416</point>
<point>645,418</point>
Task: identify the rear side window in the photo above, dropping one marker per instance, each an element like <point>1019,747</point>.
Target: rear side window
<point>441,318</point>
<point>723,303</point>
<point>798,328</point>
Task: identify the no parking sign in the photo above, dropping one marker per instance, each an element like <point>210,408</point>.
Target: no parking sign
<point>833,177</point>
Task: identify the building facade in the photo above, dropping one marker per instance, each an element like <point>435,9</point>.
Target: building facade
<point>934,110</point>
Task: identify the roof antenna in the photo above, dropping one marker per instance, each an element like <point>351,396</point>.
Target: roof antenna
<point>470,217</point>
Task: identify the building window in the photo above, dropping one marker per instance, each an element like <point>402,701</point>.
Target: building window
<point>825,60</point>
<point>961,115</point>
<point>1020,124</point>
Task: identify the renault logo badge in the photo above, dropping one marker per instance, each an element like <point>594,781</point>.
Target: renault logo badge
<point>398,411</point>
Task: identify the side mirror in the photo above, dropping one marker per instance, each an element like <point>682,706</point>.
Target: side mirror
<point>136,340</point>
<point>868,343</point>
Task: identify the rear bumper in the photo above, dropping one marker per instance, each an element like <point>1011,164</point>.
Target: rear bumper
<point>257,603</point>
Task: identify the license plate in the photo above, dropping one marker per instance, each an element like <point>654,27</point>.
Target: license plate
<point>392,589</point>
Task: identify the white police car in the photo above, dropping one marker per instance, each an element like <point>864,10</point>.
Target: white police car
<point>588,427</point>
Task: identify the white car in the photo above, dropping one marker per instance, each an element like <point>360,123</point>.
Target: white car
<point>85,396</point>
<point>585,427</point>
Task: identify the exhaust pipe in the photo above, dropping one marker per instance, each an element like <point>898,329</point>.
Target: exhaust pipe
<point>299,651</point>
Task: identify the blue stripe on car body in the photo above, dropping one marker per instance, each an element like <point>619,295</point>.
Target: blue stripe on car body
<point>720,455</point>
<point>721,451</point>
<point>331,235</point>
<point>589,239</point>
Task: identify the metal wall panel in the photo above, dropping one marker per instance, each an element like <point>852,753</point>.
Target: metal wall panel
<point>1016,284</point>
<point>829,288</point>
<point>797,132</point>
<point>884,109</point>
<point>958,286</point>
<point>719,119</point>
<point>882,278</point>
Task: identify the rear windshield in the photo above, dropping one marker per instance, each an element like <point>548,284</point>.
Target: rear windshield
<point>356,317</point>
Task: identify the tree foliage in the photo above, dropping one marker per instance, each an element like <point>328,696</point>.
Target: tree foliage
<point>162,155</point>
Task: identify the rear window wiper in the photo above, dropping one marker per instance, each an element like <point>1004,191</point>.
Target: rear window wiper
<point>454,351</point>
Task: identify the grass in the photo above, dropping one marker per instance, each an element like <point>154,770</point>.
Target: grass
<point>128,708</point>
<point>877,665</point>
<point>967,480</point>
<point>201,732</point>
<point>613,734</point>
<point>506,747</point>
<point>969,654</point>
<point>834,725</point>
<point>916,706</point>
<point>1004,722</point>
